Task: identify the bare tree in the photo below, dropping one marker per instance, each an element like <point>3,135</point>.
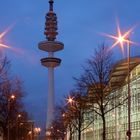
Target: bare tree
<point>95,82</point>
<point>57,129</point>
<point>10,108</point>
<point>67,121</point>
<point>77,113</point>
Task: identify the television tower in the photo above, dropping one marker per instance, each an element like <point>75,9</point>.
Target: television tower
<point>50,45</point>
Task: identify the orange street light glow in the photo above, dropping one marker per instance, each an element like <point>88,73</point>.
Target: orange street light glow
<point>70,100</point>
<point>19,115</point>
<point>121,38</point>
<point>12,97</point>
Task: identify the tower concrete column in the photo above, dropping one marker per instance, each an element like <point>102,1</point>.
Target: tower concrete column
<point>51,99</point>
<point>51,96</point>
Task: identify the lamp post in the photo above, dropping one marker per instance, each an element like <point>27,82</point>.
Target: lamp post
<point>18,122</point>
<point>122,39</point>
<point>12,97</point>
<point>129,95</point>
<point>25,125</point>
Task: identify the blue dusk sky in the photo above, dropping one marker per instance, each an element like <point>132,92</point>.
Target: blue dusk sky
<point>80,23</point>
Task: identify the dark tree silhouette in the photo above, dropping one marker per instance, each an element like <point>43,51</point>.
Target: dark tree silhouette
<point>95,82</point>
<point>57,130</point>
<point>10,108</point>
<point>77,113</point>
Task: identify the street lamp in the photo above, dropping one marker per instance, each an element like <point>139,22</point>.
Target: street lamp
<point>70,100</point>
<point>19,116</point>
<point>37,131</point>
<point>18,122</point>
<point>122,39</point>
<point>12,97</point>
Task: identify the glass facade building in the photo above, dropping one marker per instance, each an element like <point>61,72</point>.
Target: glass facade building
<point>117,119</point>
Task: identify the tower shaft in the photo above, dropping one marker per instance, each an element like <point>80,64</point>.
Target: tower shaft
<point>50,101</point>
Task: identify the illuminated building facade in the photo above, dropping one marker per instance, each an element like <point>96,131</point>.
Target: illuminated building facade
<point>117,119</point>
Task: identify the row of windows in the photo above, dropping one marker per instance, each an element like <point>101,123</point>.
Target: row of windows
<point>120,113</point>
<point>118,117</point>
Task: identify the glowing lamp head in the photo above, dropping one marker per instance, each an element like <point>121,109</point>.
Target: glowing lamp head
<point>121,39</point>
<point>37,130</point>
<point>63,115</point>
<point>12,97</point>
<point>30,132</point>
<point>19,115</point>
<point>48,133</point>
<point>70,100</point>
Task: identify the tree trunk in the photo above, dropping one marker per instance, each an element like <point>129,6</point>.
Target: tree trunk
<point>104,127</point>
<point>70,138</point>
<point>79,134</point>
